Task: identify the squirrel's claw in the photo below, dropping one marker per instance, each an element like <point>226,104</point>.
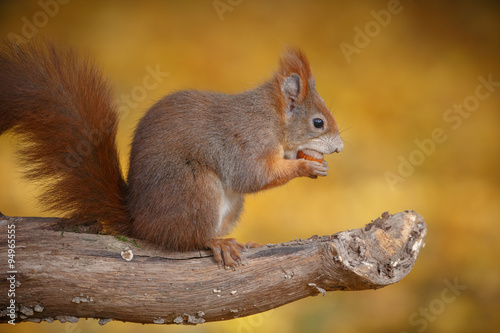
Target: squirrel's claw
<point>226,251</point>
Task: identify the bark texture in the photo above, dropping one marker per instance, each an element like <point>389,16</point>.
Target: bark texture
<point>66,275</point>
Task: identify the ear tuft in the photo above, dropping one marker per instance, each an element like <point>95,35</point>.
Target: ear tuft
<point>294,74</point>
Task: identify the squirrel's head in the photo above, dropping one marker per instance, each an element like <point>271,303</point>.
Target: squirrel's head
<point>308,124</point>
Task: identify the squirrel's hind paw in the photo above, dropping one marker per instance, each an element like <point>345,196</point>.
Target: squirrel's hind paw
<point>226,251</point>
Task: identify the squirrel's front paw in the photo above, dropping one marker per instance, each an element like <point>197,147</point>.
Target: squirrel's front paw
<point>314,169</point>
<point>226,251</point>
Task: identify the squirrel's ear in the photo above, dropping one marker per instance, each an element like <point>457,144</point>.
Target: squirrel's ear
<point>291,87</point>
<point>293,75</point>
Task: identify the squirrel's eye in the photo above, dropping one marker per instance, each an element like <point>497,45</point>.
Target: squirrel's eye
<point>318,123</point>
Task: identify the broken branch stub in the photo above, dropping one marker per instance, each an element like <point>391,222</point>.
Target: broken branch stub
<point>380,254</point>
<point>67,275</point>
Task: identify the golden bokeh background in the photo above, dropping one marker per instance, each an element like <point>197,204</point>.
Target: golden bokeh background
<point>405,81</point>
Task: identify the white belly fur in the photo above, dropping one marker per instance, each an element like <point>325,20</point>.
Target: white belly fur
<point>228,200</point>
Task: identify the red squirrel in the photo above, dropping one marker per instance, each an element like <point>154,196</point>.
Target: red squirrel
<point>194,156</point>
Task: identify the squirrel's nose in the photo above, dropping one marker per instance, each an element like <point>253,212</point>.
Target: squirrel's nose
<point>338,144</point>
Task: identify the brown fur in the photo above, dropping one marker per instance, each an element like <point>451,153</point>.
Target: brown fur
<point>194,155</point>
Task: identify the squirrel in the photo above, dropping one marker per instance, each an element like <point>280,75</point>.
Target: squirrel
<point>194,155</point>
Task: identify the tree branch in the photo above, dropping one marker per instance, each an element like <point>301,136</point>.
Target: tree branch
<point>68,275</point>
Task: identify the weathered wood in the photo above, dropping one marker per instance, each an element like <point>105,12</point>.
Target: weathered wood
<point>66,276</point>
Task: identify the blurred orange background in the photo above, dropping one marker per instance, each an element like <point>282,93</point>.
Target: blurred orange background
<point>415,89</point>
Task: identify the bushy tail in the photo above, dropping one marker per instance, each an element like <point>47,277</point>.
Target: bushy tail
<point>62,109</point>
